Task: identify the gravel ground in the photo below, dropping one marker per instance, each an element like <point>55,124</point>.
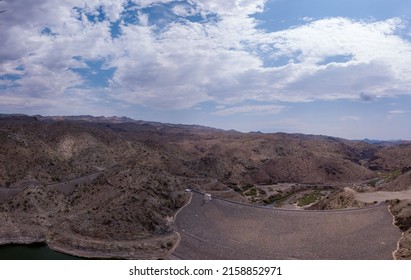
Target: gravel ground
<point>227,230</point>
<point>382,196</point>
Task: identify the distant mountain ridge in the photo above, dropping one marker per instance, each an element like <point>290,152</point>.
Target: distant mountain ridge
<point>383,142</point>
<point>159,125</point>
<point>117,120</point>
<point>87,118</point>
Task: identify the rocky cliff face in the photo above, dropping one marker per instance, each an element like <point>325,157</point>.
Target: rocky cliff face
<point>402,219</point>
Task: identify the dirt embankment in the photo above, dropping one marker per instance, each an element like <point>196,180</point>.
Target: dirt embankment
<point>227,230</point>
<point>158,247</point>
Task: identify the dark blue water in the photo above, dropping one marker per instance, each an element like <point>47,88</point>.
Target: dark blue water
<point>37,251</point>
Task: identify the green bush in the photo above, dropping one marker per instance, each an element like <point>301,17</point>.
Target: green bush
<point>247,187</point>
<point>251,192</point>
<point>309,198</point>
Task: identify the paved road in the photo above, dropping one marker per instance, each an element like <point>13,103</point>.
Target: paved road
<point>226,230</point>
<point>68,186</point>
<point>65,187</point>
<point>6,193</point>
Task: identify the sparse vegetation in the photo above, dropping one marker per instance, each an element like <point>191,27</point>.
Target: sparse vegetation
<point>373,182</point>
<point>278,199</point>
<point>392,175</point>
<point>309,198</point>
<point>246,187</point>
<point>251,192</point>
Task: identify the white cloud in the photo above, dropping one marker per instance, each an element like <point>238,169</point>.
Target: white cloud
<point>231,7</point>
<point>184,10</point>
<point>340,36</point>
<point>220,107</point>
<point>350,118</point>
<point>393,114</point>
<point>184,63</point>
<point>147,3</point>
<point>379,58</point>
<point>251,110</point>
<point>396,112</point>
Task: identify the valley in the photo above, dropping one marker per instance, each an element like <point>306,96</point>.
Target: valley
<point>112,187</point>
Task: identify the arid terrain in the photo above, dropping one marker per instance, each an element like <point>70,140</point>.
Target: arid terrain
<point>111,187</point>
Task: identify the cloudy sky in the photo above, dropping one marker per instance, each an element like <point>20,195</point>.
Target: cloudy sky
<point>340,68</point>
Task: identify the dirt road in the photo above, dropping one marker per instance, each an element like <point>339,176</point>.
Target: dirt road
<point>382,196</point>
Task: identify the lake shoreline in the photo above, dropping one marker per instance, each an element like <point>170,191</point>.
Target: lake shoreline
<point>89,248</point>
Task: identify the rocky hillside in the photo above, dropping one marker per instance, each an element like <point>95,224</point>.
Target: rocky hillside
<point>141,170</point>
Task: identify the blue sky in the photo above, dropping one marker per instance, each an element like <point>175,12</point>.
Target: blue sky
<point>339,68</point>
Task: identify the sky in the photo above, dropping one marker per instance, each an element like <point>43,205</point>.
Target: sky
<point>338,68</point>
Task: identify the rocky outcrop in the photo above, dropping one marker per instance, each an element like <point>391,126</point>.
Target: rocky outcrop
<point>341,199</point>
<point>401,209</point>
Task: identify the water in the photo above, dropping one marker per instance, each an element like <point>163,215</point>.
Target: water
<point>37,251</point>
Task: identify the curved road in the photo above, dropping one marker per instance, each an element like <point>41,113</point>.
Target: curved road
<point>226,230</point>
<point>66,186</point>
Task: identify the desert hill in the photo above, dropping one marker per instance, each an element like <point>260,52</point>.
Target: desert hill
<point>140,171</point>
